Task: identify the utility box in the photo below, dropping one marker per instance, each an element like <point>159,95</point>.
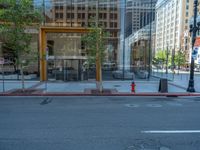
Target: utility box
<point>163,86</point>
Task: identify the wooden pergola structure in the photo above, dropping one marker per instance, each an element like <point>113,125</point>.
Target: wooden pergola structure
<point>43,44</point>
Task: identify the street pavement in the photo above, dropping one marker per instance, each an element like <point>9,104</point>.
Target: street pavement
<point>99,123</point>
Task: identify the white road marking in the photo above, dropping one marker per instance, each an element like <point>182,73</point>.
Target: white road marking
<point>171,131</point>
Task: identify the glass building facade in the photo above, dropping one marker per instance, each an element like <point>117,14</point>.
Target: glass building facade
<point>67,55</point>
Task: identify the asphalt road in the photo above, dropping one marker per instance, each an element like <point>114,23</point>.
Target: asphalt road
<point>99,123</point>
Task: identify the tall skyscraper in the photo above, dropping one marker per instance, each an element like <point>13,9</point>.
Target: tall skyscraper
<point>172,20</point>
<point>138,14</point>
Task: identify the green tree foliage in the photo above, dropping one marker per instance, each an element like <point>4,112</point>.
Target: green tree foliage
<point>161,58</point>
<point>180,58</point>
<point>95,43</point>
<point>15,17</point>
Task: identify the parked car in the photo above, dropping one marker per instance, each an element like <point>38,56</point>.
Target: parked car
<point>118,74</point>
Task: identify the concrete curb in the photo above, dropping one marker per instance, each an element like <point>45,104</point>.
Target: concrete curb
<point>114,94</point>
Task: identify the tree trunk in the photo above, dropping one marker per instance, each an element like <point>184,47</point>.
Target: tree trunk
<point>22,78</point>
<point>99,84</point>
<point>100,79</point>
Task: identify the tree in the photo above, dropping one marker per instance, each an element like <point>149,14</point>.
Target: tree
<point>95,44</point>
<point>180,59</point>
<point>15,17</point>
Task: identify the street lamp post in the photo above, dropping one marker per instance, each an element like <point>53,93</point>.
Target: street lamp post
<point>150,40</point>
<point>193,29</point>
<point>167,59</point>
<point>124,38</point>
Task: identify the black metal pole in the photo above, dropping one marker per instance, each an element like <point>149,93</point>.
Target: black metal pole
<point>71,12</point>
<point>167,58</point>
<point>150,54</point>
<point>194,32</point>
<point>124,39</point>
<point>43,9</point>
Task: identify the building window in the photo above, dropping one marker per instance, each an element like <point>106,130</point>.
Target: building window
<point>72,16</point>
<point>79,16</point>
<point>111,16</point>
<point>115,25</point>
<point>115,16</point>
<point>111,25</point>
<point>83,24</point>
<point>68,15</point>
<point>104,16</point>
<point>187,14</point>
<point>59,15</point>
<point>105,24</point>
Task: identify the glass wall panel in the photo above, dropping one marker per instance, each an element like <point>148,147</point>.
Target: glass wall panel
<point>129,23</point>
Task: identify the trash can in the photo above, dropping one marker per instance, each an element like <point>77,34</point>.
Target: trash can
<point>163,86</point>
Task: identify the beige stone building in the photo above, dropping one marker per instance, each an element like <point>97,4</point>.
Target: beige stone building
<point>172,25</point>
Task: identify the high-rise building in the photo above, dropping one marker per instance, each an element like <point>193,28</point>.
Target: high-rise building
<point>66,48</point>
<point>139,17</point>
<point>79,13</point>
<point>138,14</point>
<point>172,20</point>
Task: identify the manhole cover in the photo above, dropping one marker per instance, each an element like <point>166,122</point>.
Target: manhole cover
<point>154,105</point>
<point>132,105</point>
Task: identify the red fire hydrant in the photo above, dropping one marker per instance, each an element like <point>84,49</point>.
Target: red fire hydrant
<point>133,87</point>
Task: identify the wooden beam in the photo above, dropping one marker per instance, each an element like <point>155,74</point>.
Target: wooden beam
<point>43,44</point>
<point>43,75</point>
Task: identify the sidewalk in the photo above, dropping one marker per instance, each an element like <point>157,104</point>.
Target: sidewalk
<point>10,85</point>
<point>181,79</point>
<point>143,88</point>
<point>120,86</point>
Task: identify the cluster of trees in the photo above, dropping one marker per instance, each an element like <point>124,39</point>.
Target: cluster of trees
<point>15,17</point>
<point>164,58</point>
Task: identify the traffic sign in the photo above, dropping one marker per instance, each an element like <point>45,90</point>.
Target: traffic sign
<point>195,52</point>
